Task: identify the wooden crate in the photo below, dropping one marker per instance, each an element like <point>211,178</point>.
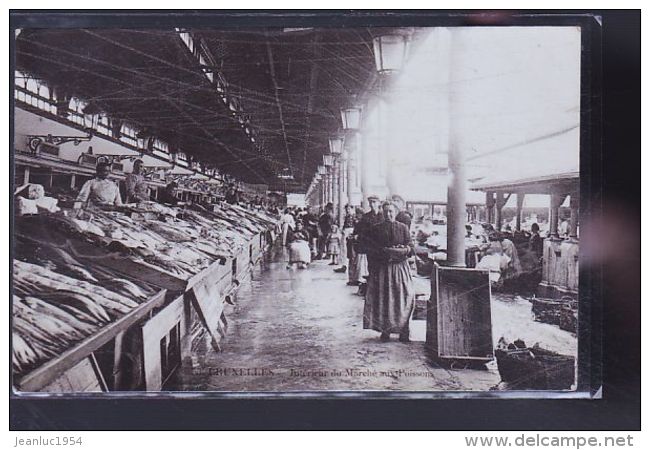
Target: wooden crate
<point>459,323</point>
<point>560,269</point>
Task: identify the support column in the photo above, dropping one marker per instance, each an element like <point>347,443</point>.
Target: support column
<point>337,186</point>
<point>352,149</point>
<point>352,182</point>
<point>497,211</point>
<point>321,192</point>
<point>334,190</point>
<point>500,203</point>
<point>341,182</point>
<point>520,207</point>
<point>365,181</point>
<point>556,201</point>
<point>489,206</point>
<point>387,145</point>
<point>456,192</point>
<point>574,204</point>
<point>456,202</point>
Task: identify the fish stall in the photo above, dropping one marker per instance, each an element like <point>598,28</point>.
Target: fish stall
<point>111,298</point>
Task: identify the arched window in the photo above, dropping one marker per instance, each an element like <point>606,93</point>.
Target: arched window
<point>32,85</point>
<point>33,91</point>
<point>127,134</point>
<point>103,125</point>
<point>89,120</point>
<point>20,79</point>
<point>44,91</point>
<point>76,107</point>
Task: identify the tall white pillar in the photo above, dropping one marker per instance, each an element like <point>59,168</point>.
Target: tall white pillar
<point>340,199</point>
<point>456,192</point>
<point>330,182</point>
<point>574,204</point>
<point>385,113</point>
<point>364,170</point>
<point>352,159</point>
<point>351,172</point>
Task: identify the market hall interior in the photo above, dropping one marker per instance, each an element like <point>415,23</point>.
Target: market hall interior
<point>155,170</point>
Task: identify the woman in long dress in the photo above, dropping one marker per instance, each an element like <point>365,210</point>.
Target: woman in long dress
<point>390,296</point>
<point>299,252</point>
<point>287,224</point>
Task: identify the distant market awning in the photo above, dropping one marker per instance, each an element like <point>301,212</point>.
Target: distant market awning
<point>544,184</point>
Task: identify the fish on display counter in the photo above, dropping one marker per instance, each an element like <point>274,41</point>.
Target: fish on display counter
<point>179,247</point>
<point>61,297</point>
<point>52,312</point>
<point>65,261</point>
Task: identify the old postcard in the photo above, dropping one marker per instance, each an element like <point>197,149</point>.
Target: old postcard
<point>299,209</point>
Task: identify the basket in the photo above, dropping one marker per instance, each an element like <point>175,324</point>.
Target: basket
<point>535,368</point>
<point>550,311</point>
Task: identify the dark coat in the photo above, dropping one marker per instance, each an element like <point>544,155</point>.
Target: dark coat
<point>388,234</point>
<point>363,230</point>
<point>325,223</point>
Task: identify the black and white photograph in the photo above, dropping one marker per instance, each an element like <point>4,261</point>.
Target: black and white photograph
<point>286,210</point>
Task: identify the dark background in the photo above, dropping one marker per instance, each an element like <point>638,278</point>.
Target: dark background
<point>615,185</point>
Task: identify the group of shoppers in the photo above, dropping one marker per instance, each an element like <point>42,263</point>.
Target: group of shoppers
<point>311,237</point>
<point>372,247</point>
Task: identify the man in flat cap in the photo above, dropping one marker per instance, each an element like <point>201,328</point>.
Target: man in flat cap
<point>363,231</point>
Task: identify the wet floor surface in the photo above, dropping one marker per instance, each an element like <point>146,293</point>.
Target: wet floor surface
<point>301,330</point>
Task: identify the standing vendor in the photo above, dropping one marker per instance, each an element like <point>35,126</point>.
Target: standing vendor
<point>232,195</point>
<point>348,230</point>
<point>100,190</point>
<point>364,241</point>
<point>310,221</point>
<point>168,195</point>
<point>325,227</point>
<point>136,186</point>
<point>390,297</point>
